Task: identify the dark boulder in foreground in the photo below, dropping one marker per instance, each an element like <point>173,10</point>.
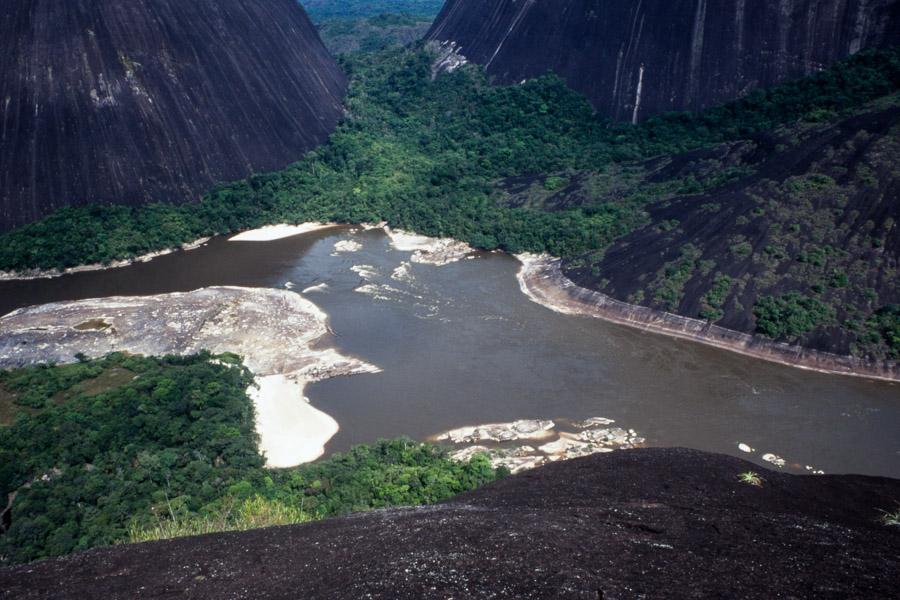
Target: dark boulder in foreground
<point>154,100</point>
<point>638,58</point>
<point>657,523</point>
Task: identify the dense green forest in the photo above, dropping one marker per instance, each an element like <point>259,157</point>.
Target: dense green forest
<point>131,448</point>
<point>425,154</point>
<point>432,154</point>
<point>322,10</point>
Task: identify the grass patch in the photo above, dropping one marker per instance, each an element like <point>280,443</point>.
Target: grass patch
<point>252,513</point>
<point>891,519</point>
<point>751,478</point>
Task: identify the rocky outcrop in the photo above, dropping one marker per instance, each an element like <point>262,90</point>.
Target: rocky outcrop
<point>274,331</point>
<point>811,210</point>
<point>591,436</point>
<point>154,100</point>
<point>647,523</point>
<point>637,58</point>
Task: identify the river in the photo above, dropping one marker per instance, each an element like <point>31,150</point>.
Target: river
<point>460,344</point>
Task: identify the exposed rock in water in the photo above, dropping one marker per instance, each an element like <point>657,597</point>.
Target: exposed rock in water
<point>130,102</point>
<point>774,459</point>
<point>637,58</point>
<point>428,250</point>
<point>273,330</point>
<point>593,422</point>
<point>647,523</point>
<point>493,440</point>
<point>347,246</point>
<point>500,432</point>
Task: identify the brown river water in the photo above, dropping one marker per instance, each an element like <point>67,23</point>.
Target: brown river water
<point>461,345</point>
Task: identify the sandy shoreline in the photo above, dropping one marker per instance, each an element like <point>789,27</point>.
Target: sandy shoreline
<point>270,233</point>
<point>275,332</point>
<point>426,250</point>
<point>542,280</point>
<point>295,431</point>
<point>262,234</point>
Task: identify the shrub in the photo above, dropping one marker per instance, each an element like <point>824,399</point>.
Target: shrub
<point>790,316</point>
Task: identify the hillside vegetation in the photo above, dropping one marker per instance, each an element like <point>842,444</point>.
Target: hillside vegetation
<point>642,523</point>
<point>801,245</point>
<point>426,153</point>
<point>129,449</point>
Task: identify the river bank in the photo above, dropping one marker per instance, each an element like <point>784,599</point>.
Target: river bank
<point>542,280</point>
<point>267,233</point>
<point>443,334</point>
<point>116,264</point>
<point>425,249</point>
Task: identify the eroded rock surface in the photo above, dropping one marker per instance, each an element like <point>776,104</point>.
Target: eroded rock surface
<point>526,429</point>
<point>428,250</point>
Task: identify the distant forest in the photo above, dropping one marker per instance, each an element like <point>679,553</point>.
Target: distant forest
<point>322,10</point>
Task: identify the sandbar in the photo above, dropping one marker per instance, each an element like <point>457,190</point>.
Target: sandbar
<point>271,233</point>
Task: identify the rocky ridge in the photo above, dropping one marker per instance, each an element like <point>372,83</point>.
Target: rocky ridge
<point>645,523</point>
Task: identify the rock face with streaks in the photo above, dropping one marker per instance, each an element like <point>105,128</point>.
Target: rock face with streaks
<point>637,58</point>
<point>154,100</point>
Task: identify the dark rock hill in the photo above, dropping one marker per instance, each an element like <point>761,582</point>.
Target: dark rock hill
<point>812,211</point>
<point>650,523</point>
<point>154,100</point>
<point>637,58</point>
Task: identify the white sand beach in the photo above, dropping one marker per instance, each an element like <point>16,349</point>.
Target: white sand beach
<point>291,430</point>
<point>271,233</point>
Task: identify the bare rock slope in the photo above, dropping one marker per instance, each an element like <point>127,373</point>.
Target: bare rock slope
<point>649,523</point>
<point>154,100</point>
<point>637,58</point>
<point>809,226</point>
